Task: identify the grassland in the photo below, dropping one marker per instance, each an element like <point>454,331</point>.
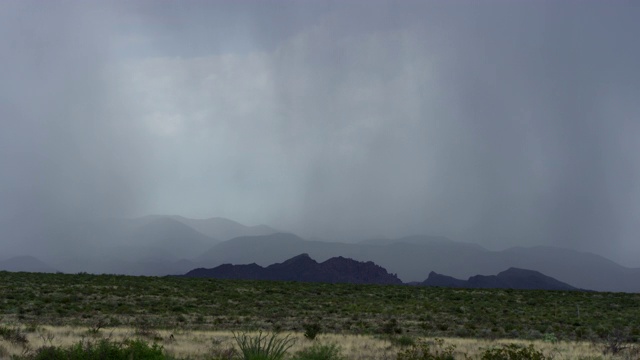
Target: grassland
<point>186,344</point>
<point>151,305</point>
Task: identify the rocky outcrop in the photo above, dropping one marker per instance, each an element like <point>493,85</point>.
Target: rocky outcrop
<point>304,268</point>
<point>512,278</point>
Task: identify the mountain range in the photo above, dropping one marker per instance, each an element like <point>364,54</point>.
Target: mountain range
<point>304,268</point>
<point>162,245</point>
<point>412,258</point>
<point>344,270</point>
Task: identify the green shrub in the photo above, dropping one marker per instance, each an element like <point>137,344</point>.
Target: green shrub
<point>391,327</point>
<point>14,336</point>
<point>263,347</point>
<point>319,352</point>
<point>514,352</point>
<point>403,340</point>
<point>104,349</point>
<point>425,351</point>
<point>550,337</point>
<point>311,330</point>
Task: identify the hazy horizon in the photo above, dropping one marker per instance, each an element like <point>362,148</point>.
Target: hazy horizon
<point>498,123</point>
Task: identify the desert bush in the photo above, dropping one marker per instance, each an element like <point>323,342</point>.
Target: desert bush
<point>220,352</point>
<point>145,329</point>
<point>263,347</point>
<point>223,354</point>
<point>391,327</point>
<point>614,343</point>
<point>4,353</point>
<point>403,340</point>
<point>94,329</point>
<point>311,330</point>
<point>103,349</point>
<point>81,300</point>
<point>428,351</point>
<point>514,352</point>
<point>319,352</point>
<point>14,336</point>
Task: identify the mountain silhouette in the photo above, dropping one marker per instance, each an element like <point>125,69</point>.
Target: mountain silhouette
<point>512,278</point>
<point>303,268</point>
<point>411,258</point>
<point>168,244</point>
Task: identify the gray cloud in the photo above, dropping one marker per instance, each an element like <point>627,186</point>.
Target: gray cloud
<point>499,123</point>
<point>67,151</point>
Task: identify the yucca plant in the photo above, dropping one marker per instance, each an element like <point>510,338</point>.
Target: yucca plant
<point>268,346</point>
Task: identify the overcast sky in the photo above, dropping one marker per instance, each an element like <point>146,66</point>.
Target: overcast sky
<point>504,123</point>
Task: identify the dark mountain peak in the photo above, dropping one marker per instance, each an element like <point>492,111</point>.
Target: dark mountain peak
<point>339,262</point>
<point>303,268</point>
<point>298,261</point>
<point>530,279</point>
<point>342,259</point>
<point>512,278</point>
<point>303,256</point>
<point>229,271</point>
<point>440,280</point>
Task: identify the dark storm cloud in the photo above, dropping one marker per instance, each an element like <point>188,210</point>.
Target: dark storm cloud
<point>503,123</point>
<point>66,150</point>
<point>509,139</point>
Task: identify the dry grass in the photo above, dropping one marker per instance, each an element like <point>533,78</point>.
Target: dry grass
<point>204,344</point>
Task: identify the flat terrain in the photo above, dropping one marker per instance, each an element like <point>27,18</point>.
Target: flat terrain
<point>208,304</point>
<point>211,344</point>
<point>156,307</point>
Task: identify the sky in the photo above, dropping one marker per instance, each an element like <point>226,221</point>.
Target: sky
<point>503,123</point>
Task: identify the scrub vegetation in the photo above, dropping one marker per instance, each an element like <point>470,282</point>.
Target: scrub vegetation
<point>397,321</point>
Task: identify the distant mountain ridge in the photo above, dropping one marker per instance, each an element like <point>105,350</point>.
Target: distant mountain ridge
<point>169,244</point>
<point>174,237</point>
<point>414,258</point>
<point>304,268</point>
<point>220,228</point>
<point>512,278</point>
<point>25,263</point>
<point>342,270</point>
<point>149,245</point>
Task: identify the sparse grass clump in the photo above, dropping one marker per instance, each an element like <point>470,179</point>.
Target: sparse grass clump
<point>428,351</point>
<point>103,349</point>
<point>13,335</point>
<point>319,352</point>
<point>514,352</point>
<point>403,341</point>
